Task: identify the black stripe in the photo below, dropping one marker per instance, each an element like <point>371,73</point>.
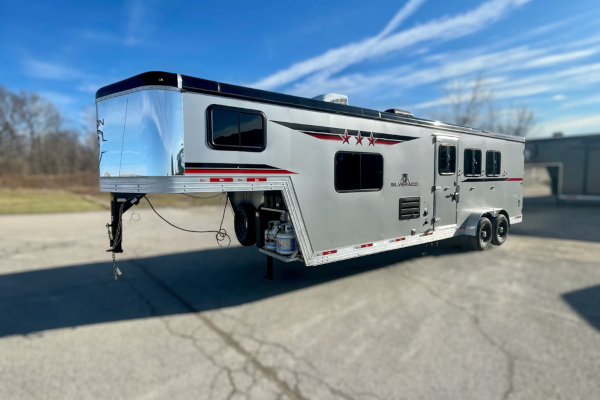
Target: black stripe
<point>308,129</point>
<point>485,179</point>
<point>229,166</point>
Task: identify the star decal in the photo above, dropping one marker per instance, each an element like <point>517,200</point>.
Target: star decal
<point>372,140</point>
<point>345,137</point>
<point>359,139</point>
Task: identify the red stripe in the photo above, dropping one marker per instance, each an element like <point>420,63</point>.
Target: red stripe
<point>326,253</point>
<point>326,137</point>
<point>256,179</point>
<point>221,179</point>
<point>237,171</point>
<point>515,179</point>
<point>362,246</point>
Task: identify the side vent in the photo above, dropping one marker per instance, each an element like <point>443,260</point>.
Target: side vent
<point>410,208</point>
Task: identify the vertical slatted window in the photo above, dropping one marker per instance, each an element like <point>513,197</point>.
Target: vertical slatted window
<point>492,163</point>
<point>472,162</point>
<point>446,159</point>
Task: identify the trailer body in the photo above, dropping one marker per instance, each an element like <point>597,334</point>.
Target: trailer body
<point>352,181</point>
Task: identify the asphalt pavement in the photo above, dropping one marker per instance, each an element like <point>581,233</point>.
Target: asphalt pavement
<point>190,320</point>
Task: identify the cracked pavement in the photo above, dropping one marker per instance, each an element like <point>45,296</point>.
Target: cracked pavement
<point>188,319</point>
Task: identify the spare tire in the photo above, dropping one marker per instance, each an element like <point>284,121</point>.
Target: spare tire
<point>245,224</point>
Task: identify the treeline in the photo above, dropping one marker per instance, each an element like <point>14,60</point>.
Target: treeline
<point>33,140</point>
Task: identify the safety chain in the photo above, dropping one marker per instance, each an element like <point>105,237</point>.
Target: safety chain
<point>116,270</point>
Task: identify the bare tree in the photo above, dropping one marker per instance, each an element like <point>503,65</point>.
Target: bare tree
<point>33,141</point>
<point>472,104</point>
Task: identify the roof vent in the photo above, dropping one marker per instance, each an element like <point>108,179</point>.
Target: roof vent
<point>400,112</point>
<point>333,98</point>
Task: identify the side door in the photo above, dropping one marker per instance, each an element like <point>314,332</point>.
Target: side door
<point>445,181</point>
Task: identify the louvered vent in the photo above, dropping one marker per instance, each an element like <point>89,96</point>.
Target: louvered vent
<point>410,207</point>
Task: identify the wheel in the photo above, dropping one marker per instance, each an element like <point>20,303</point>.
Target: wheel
<point>500,230</point>
<point>245,224</point>
<point>483,235</point>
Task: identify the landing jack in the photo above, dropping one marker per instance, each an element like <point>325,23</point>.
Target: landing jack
<point>119,204</point>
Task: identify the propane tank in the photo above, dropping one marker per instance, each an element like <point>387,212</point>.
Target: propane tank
<point>286,240</point>
<point>270,234</point>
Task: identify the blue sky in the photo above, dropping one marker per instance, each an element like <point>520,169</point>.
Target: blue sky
<point>544,55</point>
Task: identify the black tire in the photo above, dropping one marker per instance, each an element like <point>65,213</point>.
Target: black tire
<point>483,235</point>
<point>500,229</point>
<point>245,224</point>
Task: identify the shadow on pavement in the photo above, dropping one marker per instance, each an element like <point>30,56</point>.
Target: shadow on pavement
<point>166,285</point>
<point>587,303</point>
<point>546,219</point>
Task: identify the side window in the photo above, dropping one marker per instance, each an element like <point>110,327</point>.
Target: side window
<point>446,159</point>
<point>472,162</point>
<point>356,172</point>
<point>235,129</point>
<point>492,163</point>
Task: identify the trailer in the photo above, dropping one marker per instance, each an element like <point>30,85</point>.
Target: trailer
<point>310,180</point>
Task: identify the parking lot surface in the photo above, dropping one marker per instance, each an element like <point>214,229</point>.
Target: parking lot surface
<point>188,319</point>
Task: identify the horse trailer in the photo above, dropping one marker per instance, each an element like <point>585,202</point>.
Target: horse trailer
<point>312,180</point>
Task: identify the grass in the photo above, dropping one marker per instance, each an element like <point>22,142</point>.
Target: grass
<point>27,201</point>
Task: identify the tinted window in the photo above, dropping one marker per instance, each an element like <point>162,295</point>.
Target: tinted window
<point>492,163</point>
<point>472,162</point>
<point>358,171</point>
<point>371,172</point>
<point>238,129</point>
<point>347,171</point>
<point>251,130</point>
<point>225,128</point>
<point>446,159</point>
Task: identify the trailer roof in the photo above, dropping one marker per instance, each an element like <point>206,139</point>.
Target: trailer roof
<point>189,83</point>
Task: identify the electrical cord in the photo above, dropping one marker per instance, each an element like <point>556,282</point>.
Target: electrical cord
<point>220,234</point>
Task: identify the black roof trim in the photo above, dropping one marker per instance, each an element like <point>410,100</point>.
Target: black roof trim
<point>223,89</point>
<point>154,78</point>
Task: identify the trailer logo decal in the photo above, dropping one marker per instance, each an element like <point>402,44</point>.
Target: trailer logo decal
<point>404,182</point>
<point>344,135</point>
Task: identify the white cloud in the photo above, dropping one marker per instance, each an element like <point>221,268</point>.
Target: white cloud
<point>337,58</point>
<point>574,124</point>
<point>558,97</point>
<point>446,28</point>
<point>48,70</point>
<point>137,22</point>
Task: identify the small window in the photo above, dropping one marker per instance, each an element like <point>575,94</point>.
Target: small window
<point>446,159</point>
<point>358,172</point>
<point>236,129</point>
<point>492,163</point>
<point>472,162</point>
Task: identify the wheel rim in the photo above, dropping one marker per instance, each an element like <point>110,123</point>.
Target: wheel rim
<point>485,234</point>
<point>502,230</point>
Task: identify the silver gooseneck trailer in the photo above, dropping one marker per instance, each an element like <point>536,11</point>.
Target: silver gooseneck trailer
<point>346,181</point>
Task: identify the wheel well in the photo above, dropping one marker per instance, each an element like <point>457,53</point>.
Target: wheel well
<point>503,212</point>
